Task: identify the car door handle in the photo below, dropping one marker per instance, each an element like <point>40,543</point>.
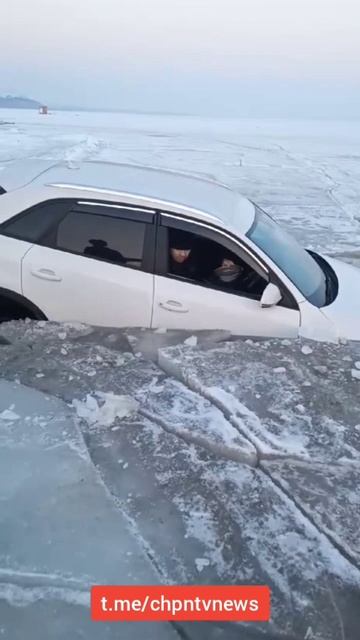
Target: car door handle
<point>46,274</point>
<point>173,305</point>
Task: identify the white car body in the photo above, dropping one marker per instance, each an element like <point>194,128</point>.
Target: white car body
<point>62,285</point>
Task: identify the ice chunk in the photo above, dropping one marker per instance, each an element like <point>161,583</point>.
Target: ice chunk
<point>191,342</point>
<point>105,415</point>
<point>77,326</point>
<point>300,408</point>
<point>355,374</point>
<point>306,350</point>
<point>201,563</point>
<point>9,415</point>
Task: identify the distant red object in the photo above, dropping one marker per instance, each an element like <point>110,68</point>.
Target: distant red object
<point>44,110</point>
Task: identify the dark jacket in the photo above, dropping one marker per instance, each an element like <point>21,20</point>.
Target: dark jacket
<point>187,269</point>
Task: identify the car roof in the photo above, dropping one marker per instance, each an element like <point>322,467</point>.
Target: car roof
<point>158,187</point>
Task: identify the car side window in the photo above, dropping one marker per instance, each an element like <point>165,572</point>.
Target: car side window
<point>102,237</point>
<point>207,262</point>
<point>33,224</point>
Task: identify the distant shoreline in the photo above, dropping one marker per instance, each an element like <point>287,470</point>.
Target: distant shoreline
<point>18,102</point>
<point>34,106</point>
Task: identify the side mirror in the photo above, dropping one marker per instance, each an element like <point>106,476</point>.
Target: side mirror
<point>271,296</point>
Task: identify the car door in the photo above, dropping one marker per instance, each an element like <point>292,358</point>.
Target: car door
<point>184,304</point>
<point>95,266</point>
<point>18,233</point>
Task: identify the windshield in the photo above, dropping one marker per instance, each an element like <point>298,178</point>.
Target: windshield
<point>296,263</point>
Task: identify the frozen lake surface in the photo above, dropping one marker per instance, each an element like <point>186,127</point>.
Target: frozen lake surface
<point>131,456</point>
<point>216,462</point>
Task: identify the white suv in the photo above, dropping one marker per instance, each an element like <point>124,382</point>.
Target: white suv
<point>91,244</point>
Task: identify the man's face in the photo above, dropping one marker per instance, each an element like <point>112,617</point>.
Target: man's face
<point>180,255</point>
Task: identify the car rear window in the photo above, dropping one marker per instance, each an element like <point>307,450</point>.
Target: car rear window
<point>31,225</point>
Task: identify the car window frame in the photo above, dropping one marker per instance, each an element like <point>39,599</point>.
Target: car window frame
<point>120,211</point>
<point>64,204</point>
<point>107,208</point>
<point>227,239</point>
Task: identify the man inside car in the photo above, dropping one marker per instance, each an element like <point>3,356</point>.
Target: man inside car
<point>182,261</point>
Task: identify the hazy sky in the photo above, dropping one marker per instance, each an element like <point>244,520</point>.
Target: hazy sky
<point>225,57</point>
